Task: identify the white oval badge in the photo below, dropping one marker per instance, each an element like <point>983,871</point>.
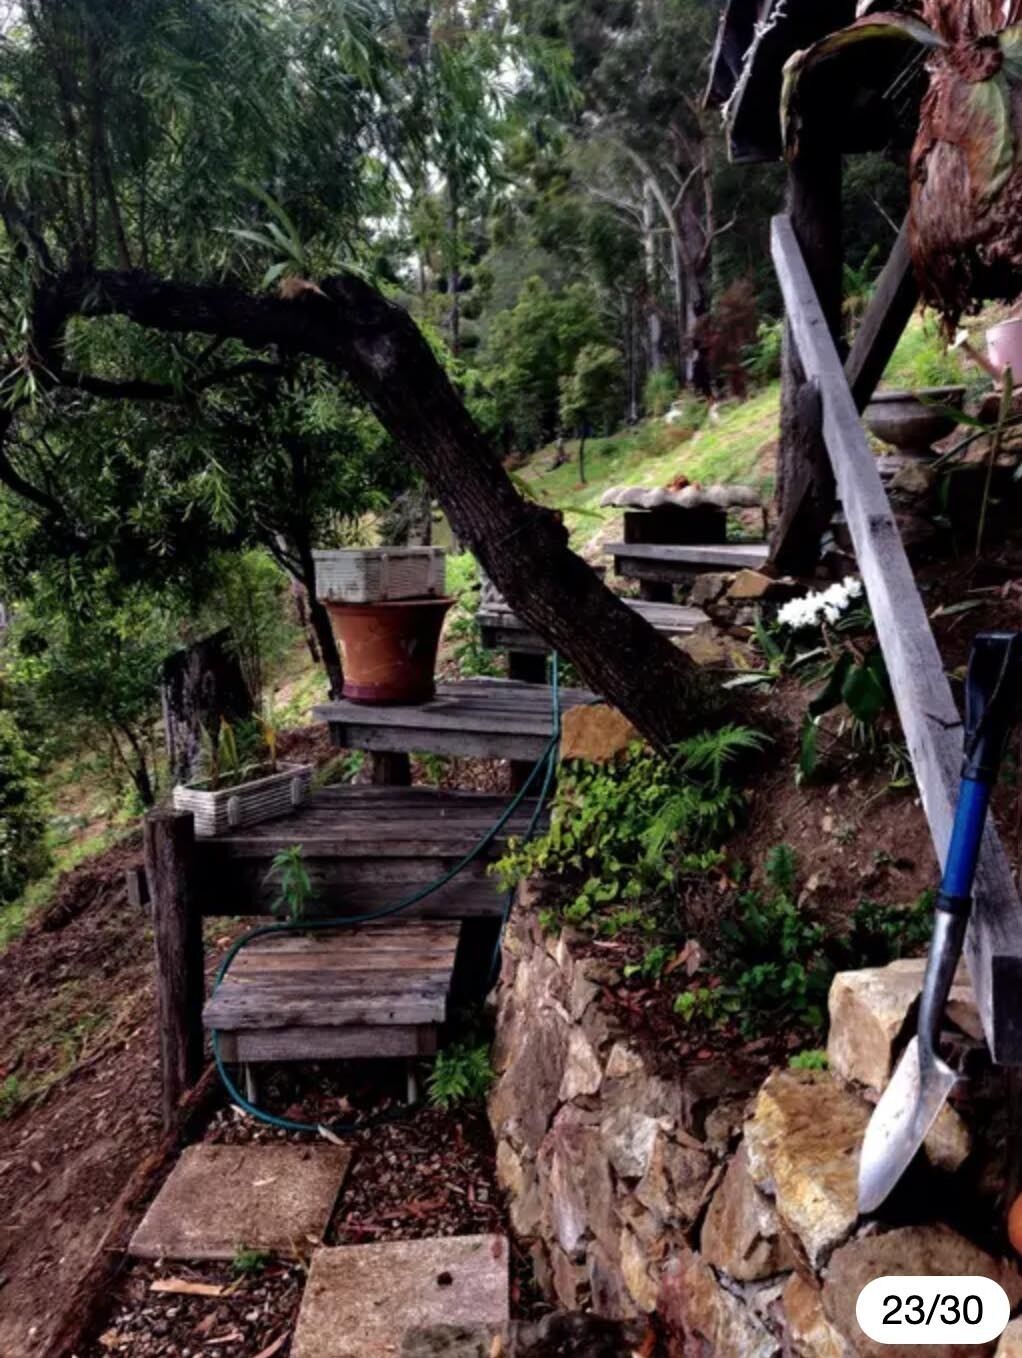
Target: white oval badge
<point>932,1310</point>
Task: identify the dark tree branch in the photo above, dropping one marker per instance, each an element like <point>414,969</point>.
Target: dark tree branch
<point>522,546</point>
<point>138,389</point>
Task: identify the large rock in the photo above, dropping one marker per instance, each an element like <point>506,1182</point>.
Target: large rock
<point>595,732</point>
<point>1010,1345</point>
<point>741,1234</point>
<point>704,648</point>
<point>675,1179</point>
<point>639,1277</point>
<point>703,1320</point>
<point>525,1097</point>
<point>803,1143</point>
<point>573,1170</point>
<point>583,1073</point>
<point>869,1013</point>
<point>629,1136</point>
<point>807,1329</point>
<point>708,587</point>
<point>911,1250</point>
<point>608,1294</point>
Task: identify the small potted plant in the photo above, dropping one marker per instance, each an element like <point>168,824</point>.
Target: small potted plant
<point>243,781</point>
<point>387,606</point>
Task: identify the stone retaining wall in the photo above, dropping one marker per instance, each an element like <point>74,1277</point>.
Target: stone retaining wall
<point>729,1211</point>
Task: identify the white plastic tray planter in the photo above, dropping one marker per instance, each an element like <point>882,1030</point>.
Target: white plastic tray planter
<point>262,798</point>
<point>369,575</point>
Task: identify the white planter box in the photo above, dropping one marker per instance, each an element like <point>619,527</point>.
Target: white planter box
<point>370,575</point>
<point>274,794</point>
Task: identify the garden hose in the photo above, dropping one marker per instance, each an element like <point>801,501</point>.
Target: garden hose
<point>545,765</point>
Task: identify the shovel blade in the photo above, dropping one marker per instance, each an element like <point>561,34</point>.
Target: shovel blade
<point>900,1123</point>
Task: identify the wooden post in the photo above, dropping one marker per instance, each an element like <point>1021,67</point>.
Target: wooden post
<point>177,936</point>
<point>805,482</point>
<point>529,667</point>
<point>387,769</point>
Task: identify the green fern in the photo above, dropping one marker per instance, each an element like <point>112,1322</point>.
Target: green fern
<point>461,1074</point>
<point>712,751</point>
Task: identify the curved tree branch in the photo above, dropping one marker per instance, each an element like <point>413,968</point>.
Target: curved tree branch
<point>522,546</point>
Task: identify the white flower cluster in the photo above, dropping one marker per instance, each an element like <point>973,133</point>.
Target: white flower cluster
<point>826,606</point>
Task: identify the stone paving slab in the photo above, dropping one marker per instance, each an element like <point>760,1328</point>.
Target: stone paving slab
<point>222,1198</point>
<point>361,1300</point>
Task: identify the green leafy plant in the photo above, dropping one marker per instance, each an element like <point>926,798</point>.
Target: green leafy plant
<point>461,1074</point>
<point>630,830</point>
<point>814,1058</point>
<point>246,1262</point>
<point>23,852</point>
<point>775,961</point>
<point>12,1095</point>
<point>652,965</point>
<point>293,882</point>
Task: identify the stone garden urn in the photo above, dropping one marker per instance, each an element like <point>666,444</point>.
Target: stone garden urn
<point>912,421</point>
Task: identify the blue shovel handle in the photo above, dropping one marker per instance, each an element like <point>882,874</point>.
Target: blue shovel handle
<point>992,695</point>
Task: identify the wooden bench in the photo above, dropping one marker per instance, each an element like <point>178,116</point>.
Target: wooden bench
<point>480,718</point>
<point>379,991</point>
<point>503,631</point>
<point>660,566</point>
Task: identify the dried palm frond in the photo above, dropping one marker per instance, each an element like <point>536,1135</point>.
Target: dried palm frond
<point>966,164</point>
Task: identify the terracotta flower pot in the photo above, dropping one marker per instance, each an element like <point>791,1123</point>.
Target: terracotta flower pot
<point>389,649</point>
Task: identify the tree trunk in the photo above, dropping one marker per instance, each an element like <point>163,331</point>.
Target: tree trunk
<point>522,546</point>
<point>653,326</point>
<point>453,276</point>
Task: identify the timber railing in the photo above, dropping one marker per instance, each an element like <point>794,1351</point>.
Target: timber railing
<point>929,717</point>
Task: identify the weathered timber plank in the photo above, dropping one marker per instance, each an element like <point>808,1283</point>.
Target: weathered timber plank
<point>329,1044</point>
<point>723,556</point>
<point>237,1007</point>
<point>890,309</point>
<point>242,889</point>
<point>430,740</point>
<point>929,717</point>
<point>502,630</point>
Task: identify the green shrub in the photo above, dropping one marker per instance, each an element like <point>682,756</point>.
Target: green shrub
<point>23,852</point>
<point>461,1074</point>
<point>762,359</point>
<point>775,961</point>
<point>660,392</point>
<point>627,832</point>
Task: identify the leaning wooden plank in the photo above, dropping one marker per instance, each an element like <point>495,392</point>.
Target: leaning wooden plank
<point>929,717</point>
<point>893,302</point>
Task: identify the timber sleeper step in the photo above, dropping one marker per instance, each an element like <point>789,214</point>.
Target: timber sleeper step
<point>376,991</point>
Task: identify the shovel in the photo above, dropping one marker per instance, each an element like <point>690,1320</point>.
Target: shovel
<point>922,1082</point>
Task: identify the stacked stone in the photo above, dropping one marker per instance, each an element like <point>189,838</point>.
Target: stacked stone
<point>735,1218</point>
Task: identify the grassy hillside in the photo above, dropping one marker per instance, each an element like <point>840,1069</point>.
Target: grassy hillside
<point>735,442</point>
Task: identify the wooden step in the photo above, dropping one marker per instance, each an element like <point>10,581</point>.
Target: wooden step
<point>502,630</point>
<point>364,848</point>
<point>376,991</point>
<point>481,718</point>
<point>649,561</point>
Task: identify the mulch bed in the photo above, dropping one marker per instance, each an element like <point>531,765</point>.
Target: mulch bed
<point>426,1173</point>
